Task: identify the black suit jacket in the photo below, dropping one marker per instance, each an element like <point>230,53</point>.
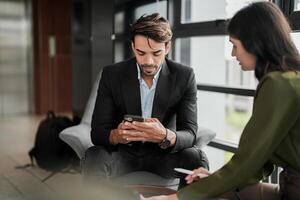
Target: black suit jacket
<point>174,102</point>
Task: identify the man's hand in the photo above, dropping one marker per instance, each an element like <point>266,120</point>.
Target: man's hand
<point>151,131</point>
<point>121,134</point>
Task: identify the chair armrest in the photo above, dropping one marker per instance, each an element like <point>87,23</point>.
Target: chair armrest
<point>78,138</point>
<point>204,136</point>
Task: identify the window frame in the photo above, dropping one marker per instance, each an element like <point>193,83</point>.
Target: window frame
<point>287,7</point>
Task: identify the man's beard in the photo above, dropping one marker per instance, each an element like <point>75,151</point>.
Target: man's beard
<point>152,73</point>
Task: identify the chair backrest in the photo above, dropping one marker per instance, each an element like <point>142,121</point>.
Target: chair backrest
<point>89,108</point>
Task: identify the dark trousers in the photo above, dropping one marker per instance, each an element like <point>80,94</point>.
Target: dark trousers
<point>289,181</point>
<point>101,163</point>
<point>288,189</point>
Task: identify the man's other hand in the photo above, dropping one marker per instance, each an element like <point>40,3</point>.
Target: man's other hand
<point>149,131</point>
<point>121,134</point>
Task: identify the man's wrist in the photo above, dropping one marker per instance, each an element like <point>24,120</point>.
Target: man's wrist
<point>172,137</point>
<point>165,143</point>
<point>165,134</point>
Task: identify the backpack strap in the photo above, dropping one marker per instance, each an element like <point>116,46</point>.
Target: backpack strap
<point>31,164</point>
<point>31,154</point>
<point>49,176</point>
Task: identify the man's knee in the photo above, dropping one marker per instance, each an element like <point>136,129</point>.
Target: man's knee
<point>196,157</point>
<point>94,161</point>
<point>92,152</point>
<point>95,154</point>
<point>87,161</point>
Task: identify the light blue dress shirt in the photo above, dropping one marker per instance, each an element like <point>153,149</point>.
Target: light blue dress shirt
<point>147,94</point>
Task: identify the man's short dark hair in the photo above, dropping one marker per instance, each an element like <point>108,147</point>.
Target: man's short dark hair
<point>152,26</point>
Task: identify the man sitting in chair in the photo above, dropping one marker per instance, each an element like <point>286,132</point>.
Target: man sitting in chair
<point>159,90</point>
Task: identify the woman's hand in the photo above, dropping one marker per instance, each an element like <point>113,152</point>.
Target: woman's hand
<point>197,175</point>
<point>161,197</point>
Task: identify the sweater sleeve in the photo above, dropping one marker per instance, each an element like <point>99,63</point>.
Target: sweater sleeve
<point>275,112</point>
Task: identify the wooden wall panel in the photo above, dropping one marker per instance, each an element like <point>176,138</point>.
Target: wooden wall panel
<point>53,74</point>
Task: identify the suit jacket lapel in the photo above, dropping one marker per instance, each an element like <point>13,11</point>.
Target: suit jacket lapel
<point>163,91</point>
<point>131,89</point>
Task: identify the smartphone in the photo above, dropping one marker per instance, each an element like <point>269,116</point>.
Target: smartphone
<point>184,171</point>
<point>132,118</point>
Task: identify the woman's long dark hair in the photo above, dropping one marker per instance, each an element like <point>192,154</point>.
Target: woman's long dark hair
<point>264,32</point>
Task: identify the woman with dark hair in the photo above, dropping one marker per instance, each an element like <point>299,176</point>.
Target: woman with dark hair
<point>261,40</point>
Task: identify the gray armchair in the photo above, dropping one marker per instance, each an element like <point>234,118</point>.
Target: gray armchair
<point>78,137</point>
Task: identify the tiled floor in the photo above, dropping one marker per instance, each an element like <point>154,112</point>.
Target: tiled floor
<point>17,134</point>
<point>16,138</point>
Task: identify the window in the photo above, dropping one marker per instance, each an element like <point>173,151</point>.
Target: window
<point>294,15</point>
<point>119,22</point>
<point>217,157</point>
<point>200,11</point>
<point>225,114</point>
<point>119,51</point>
<point>215,65</point>
<point>160,7</point>
<point>296,39</point>
<point>297,5</point>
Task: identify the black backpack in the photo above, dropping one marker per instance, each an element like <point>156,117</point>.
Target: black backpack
<point>49,151</point>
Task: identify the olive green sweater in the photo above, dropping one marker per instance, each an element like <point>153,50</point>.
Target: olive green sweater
<point>271,137</point>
